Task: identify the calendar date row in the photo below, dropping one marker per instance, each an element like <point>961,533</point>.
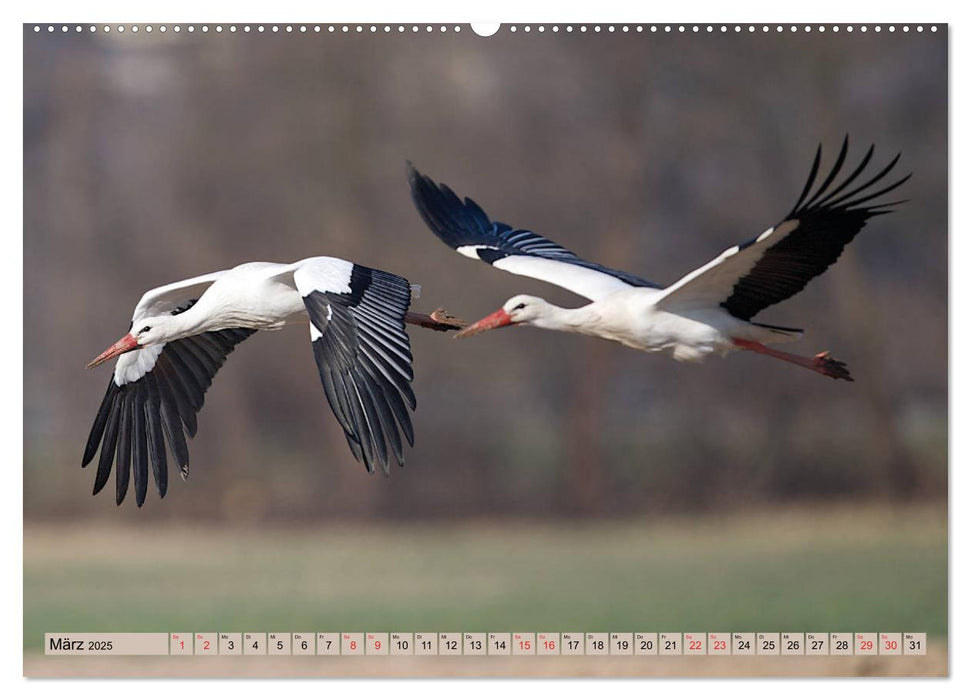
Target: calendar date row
<point>489,644</point>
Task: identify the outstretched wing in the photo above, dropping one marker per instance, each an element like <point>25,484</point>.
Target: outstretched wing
<point>780,262</point>
<point>363,354</point>
<point>171,297</point>
<point>153,399</point>
<point>463,226</point>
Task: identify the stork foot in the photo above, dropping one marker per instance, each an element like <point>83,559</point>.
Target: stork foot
<point>437,320</point>
<point>821,363</point>
<point>824,364</point>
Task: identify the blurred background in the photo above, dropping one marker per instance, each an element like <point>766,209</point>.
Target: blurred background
<point>156,157</point>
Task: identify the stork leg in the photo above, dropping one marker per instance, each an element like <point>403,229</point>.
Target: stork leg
<point>822,363</point>
<point>437,320</point>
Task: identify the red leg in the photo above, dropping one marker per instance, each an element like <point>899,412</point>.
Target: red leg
<point>437,320</point>
<point>822,363</point>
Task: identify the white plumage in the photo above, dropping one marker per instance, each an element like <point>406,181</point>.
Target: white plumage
<point>708,310</point>
<point>182,332</point>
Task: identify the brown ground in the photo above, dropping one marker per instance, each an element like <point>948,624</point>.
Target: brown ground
<point>935,663</point>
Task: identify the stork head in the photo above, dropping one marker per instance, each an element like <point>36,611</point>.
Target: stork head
<point>144,332</point>
<point>520,310</point>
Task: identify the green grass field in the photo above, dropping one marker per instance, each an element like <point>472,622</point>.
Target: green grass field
<point>833,569</point>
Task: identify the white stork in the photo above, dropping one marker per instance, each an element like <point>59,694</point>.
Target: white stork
<point>181,334</point>
<point>708,310</point>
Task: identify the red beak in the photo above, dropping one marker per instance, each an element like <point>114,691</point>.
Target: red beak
<point>494,320</point>
<point>126,344</point>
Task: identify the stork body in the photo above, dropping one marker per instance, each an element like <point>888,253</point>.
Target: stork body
<point>259,295</point>
<point>633,318</point>
<point>708,310</point>
<point>182,332</point>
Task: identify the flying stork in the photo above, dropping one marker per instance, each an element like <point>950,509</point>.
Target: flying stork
<point>710,309</point>
<point>182,332</point>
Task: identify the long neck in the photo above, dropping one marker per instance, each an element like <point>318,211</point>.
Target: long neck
<point>556,318</point>
<point>190,322</point>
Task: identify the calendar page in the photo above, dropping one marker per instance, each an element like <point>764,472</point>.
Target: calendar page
<point>550,349</point>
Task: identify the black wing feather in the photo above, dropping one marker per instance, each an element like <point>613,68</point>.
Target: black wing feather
<point>185,372</point>
<point>98,429</point>
<point>364,358</point>
<point>461,223</point>
<point>826,224</point>
<point>172,372</point>
<point>123,458</point>
<point>110,441</point>
<point>172,424</point>
<point>156,438</point>
<point>139,456</point>
<point>137,419</point>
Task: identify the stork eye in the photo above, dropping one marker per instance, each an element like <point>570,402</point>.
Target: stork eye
<point>146,329</point>
<point>519,306</point>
